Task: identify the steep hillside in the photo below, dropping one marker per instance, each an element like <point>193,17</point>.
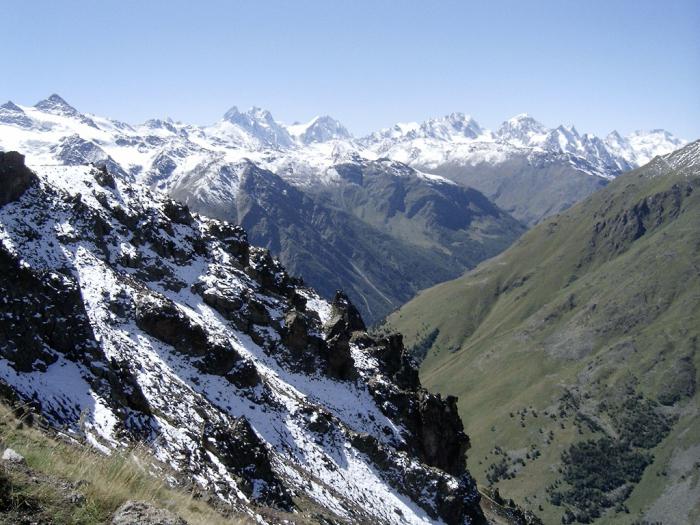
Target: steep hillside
<point>126,319</point>
<point>575,353</point>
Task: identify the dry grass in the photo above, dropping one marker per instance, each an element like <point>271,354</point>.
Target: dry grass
<point>106,482</point>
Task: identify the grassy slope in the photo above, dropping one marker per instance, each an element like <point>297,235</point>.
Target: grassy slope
<point>567,307</point>
<point>60,468</point>
<point>65,482</point>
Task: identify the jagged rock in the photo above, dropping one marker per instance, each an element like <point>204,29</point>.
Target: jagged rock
<point>456,502</point>
<point>11,456</point>
<point>437,432</point>
<point>226,302</point>
<point>240,450</point>
<point>441,432</point>
<point>396,362</point>
<point>54,304</point>
<point>103,177</point>
<point>298,301</point>
<point>318,420</point>
<point>344,320</point>
<point>304,346</point>
<point>123,386</point>
<point>177,212</point>
<point>130,220</point>
<point>269,272</point>
<point>141,513</point>
<point>164,321</point>
<point>255,311</point>
<point>234,240</point>
<point>15,177</point>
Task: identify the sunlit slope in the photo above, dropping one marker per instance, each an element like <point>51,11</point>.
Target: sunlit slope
<point>602,302</point>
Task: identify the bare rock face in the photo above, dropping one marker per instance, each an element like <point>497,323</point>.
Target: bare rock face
<point>241,451</point>
<point>140,513</point>
<point>103,177</point>
<point>15,177</point>
<point>345,319</point>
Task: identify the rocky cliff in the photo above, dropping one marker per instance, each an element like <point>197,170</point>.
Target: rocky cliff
<point>125,318</point>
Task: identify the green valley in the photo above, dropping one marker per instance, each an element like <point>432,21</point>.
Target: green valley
<point>575,353</point>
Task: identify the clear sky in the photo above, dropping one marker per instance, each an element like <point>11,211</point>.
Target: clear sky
<point>598,64</point>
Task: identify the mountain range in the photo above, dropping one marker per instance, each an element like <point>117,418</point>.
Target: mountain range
<point>381,216</point>
<point>574,353</point>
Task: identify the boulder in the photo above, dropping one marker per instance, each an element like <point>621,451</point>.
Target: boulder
<point>13,457</point>
<point>141,513</point>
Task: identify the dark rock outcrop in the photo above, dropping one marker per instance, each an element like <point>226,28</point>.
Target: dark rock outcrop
<point>103,177</point>
<point>15,177</point>
<point>242,452</point>
<point>161,319</point>
<point>344,320</point>
<point>177,212</point>
<point>59,322</point>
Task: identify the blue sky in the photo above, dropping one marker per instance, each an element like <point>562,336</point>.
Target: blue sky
<point>599,64</point>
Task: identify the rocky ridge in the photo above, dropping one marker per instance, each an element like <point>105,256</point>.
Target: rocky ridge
<point>126,318</point>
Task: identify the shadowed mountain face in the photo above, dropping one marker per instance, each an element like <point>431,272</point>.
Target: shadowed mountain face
<point>379,235</point>
<point>529,187</point>
<point>575,353</point>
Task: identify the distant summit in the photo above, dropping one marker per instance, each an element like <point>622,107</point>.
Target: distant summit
<point>57,106</point>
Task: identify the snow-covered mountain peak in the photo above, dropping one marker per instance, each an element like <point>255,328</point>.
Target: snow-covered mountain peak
<point>639,147</point>
<point>156,123</point>
<point>11,106</point>
<point>521,130</point>
<point>56,105</point>
<point>319,129</point>
<point>564,139</point>
<point>260,124</point>
<point>160,149</point>
<point>252,115</point>
<point>614,136</point>
<point>454,125</point>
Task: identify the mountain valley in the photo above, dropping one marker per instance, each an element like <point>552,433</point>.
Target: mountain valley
<point>574,353</point>
<point>225,303</point>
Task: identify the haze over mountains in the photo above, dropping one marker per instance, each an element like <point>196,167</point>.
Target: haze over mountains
<point>379,216</point>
